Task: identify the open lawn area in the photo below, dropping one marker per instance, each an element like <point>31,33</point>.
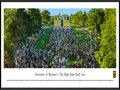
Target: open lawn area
<point>44,39</point>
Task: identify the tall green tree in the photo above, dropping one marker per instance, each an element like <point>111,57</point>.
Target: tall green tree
<point>74,19</point>
<point>45,16</point>
<point>13,29</point>
<point>35,17</point>
<point>52,20</point>
<point>95,19</point>
<point>18,24</point>
<point>84,18</point>
<point>106,56</point>
<point>79,18</point>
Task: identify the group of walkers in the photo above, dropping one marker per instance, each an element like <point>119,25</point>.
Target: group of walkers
<point>62,47</point>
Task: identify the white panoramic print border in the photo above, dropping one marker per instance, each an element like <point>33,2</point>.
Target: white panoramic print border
<point>97,77</point>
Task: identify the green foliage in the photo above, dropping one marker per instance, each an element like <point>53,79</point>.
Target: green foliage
<point>9,47</point>
<point>35,17</point>
<point>79,18</point>
<point>13,30</point>
<point>52,20</point>
<point>109,12</point>
<point>18,24</point>
<point>45,16</point>
<point>106,56</point>
<point>65,17</point>
<point>48,31</point>
<point>31,38</point>
<point>95,19</point>
<point>44,39</point>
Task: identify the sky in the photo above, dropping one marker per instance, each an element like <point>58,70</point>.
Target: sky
<point>68,11</point>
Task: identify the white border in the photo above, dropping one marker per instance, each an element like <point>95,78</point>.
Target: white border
<point>60,4</point>
<point>19,73</point>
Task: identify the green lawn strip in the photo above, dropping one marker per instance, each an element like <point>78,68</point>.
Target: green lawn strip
<point>79,30</point>
<point>48,31</point>
<point>42,41</point>
<point>32,38</point>
<point>71,60</point>
<point>80,61</point>
<point>73,26</point>
<point>50,25</point>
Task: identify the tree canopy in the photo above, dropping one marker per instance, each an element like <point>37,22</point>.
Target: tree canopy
<point>95,19</point>
<point>79,18</point>
<point>45,16</point>
<point>35,17</point>
<point>52,20</point>
<point>18,24</point>
<point>106,56</point>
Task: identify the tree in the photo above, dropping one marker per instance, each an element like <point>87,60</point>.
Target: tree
<point>45,16</point>
<point>75,19</point>
<point>52,20</point>
<point>95,19</point>
<point>12,29</point>
<point>84,18</point>
<point>65,17</point>
<point>35,17</point>
<point>79,18</point>
<point>106,56</point>
<point>28,24</point>
<point>18,25</point>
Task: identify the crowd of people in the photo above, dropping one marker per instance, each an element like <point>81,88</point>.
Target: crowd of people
<point>63,44</point>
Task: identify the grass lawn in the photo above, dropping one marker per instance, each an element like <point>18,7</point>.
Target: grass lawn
<point>80,32</point>
<point>44,39</point>
<point>71,59</point>
<point>80,61</point>
<point>32,38</point>
<point>50,25</point>
<point>73,25</point>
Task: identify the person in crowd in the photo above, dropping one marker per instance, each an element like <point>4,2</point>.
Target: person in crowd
<point>63,45</point>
